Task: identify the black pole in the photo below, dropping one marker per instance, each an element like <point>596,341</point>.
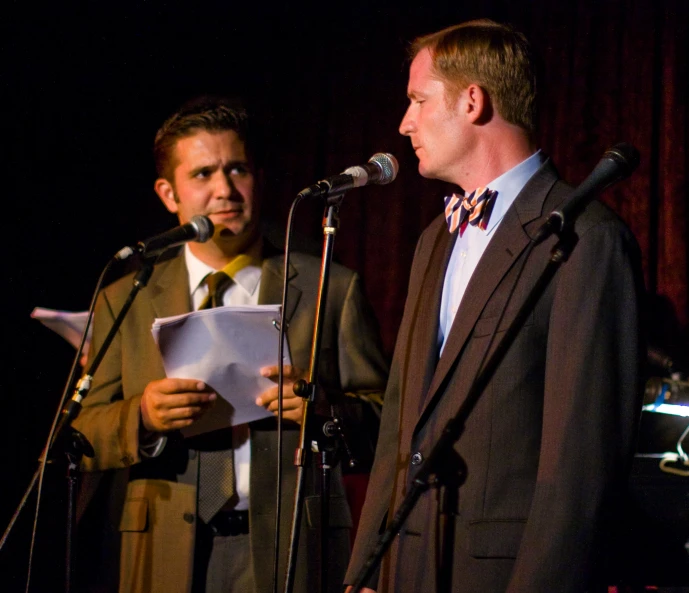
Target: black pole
<point>325,464</point>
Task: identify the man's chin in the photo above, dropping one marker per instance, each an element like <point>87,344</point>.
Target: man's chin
<point>235,235</point>
<point>424,171</point>
<point>232,230</point>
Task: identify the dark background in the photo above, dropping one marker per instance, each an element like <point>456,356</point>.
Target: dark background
<point>85,86</point>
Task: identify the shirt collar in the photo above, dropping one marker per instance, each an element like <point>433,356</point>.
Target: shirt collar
<point>509,184</point>
<point>248,278</point>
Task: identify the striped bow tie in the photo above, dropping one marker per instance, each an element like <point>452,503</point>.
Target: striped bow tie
<point>474,209</point>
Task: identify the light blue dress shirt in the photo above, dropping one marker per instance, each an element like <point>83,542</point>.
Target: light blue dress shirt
<point>469,248</point>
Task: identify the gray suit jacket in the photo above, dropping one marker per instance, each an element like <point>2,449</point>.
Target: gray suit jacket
<point>152,502</point>
<point>548,446</point>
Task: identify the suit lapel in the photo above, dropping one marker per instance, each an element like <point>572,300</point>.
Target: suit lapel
<point>169,288</point>
<point>504,249</point>
<point>418,339</point>
<point>422,352</point>
<point>271,285</point>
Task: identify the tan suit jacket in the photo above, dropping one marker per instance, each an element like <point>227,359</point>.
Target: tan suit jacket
<point>549,444</point>
<point>152,502</point>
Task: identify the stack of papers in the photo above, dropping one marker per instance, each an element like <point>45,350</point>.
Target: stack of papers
<point>225,347</point>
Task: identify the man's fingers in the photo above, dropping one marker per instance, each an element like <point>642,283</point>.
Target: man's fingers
<point>292,403</point>
<point>267,396</point>
<point>289,372</point>
<point>187,412</point>
<point>173,386</point>
<point>170,404</point>
<point>182,400</point>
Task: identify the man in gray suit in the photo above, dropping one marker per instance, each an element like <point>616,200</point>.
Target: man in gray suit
<point>546,449</point>
<point>160,538</point>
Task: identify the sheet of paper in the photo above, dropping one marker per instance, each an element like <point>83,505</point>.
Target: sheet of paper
<point>67,324</point>
<point>225,347</point>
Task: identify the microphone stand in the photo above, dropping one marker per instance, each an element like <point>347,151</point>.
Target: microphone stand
<point>307,390</point>
<point>432,472</point>
<point>74,444</point>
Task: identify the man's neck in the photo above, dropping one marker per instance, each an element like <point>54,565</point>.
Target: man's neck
<point>496,152</point>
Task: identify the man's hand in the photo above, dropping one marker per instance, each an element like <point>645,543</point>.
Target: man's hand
<point>292,405</point>
<point>169,404</point>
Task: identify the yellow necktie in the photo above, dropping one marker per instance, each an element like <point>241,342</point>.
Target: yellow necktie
<point>216,471</point>
<point>220,281</point>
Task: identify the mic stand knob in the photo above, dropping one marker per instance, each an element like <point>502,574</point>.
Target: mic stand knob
<point>302,388</point>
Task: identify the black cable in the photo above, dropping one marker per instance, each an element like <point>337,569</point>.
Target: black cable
<point>281,338</point>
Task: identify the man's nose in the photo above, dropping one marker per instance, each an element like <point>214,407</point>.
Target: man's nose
<point>407,124</point>
<point>224,186</point>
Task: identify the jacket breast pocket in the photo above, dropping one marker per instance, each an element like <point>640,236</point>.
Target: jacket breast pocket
<point>485,326</point>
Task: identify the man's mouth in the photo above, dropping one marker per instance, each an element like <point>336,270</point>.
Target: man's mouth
<point>229,212</point>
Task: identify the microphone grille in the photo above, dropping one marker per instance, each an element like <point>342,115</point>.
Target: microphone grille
<point>388,165</point>
<point>204,227</point>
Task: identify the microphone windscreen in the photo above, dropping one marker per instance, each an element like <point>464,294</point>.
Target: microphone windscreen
<point>625,155</point>
<point>204,227</point>
<point>388,165</point>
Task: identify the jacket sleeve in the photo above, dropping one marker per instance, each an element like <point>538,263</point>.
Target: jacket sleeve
<point>109,421</point>
<point>591,406</point>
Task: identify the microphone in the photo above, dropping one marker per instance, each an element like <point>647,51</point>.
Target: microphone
<point>199,229</point>
<point>617,163</point>
<point>381,169</point>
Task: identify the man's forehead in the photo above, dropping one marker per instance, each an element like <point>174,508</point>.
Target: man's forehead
<point>422,75</point>
<point>422,63</point>
<point>204,143</point>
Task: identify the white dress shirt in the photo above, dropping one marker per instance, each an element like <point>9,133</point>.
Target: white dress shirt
<point>469,247</point>
<point>243,291</point>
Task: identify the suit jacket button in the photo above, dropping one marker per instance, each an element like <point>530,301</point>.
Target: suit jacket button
<point>417,459</point>
<point>188,517</point>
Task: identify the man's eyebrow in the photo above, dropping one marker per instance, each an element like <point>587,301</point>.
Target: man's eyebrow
<point>236,162</point>
<point>196,170</point>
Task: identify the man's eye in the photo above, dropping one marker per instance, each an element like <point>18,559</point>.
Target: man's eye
<point>239,170</point>
<point>203,174</point>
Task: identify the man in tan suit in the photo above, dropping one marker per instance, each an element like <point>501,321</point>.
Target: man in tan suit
<point>546,450</point>
<point>153,476</point>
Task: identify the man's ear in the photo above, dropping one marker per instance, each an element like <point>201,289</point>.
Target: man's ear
<point>478,107</point>
<point>166,193</point>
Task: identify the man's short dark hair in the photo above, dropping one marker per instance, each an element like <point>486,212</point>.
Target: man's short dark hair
<point>206,113</point>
